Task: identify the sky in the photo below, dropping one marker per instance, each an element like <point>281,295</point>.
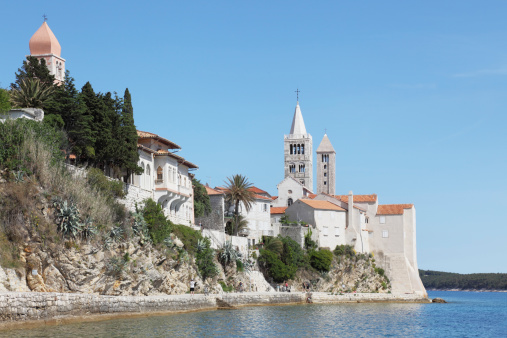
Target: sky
<point>412,96</point>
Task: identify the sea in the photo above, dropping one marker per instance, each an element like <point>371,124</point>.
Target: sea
<point>467,314</point>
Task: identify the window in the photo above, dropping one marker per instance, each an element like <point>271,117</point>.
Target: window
<point>289,202</point>
<point>336,232</point>
<point>291,149</point>
<point>292,168</point>
<point>265,207</point>
<point>160,176</point>
<point>385,234</point>
<point>366,220</point>
<point>382,220</point>
<point>302,182</point>
<point>290,191</point>
<point>302,149</point>
<point>325,166</point>
<point>148,170</point>
<point>325,231</point>
<point>301,168</point>
<point>325,174</point>
<point>325,182</point>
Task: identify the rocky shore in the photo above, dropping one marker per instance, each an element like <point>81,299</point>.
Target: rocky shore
<point>24,309</point>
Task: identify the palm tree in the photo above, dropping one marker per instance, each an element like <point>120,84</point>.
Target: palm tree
<point>31,94</point>
<point>238,223</point>
<point>237,190</point>
<point>273,244</point>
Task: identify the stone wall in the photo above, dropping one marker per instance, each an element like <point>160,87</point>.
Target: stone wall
<point>22,307</point>
<point>215,219</point>
<point>135,195</point>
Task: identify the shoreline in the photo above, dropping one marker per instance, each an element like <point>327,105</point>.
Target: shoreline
<point>20,310</point>
<point>466,290</point>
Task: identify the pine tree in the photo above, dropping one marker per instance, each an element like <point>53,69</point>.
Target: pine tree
<point>33,68</point>
<point>128,138</point>
<point>92,105</point>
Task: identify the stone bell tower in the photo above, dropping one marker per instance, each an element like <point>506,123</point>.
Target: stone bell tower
<point>326,167</point>
<point>44,45</point>
<point>298,151</point>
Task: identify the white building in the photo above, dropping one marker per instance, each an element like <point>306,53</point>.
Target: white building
<point>166,178</point>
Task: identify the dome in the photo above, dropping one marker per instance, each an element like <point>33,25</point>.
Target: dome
<point>44,42</point>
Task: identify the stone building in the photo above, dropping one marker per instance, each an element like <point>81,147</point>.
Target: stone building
<point>166,178</point>
<point>298,156</point>
<point>215,220</point>
<point>44,45</point>
<point>326,167</point>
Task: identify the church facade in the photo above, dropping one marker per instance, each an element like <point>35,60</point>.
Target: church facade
<point>386,230</point>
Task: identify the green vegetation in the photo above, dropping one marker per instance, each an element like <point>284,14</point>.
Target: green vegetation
<point>238,191</point>
<point>5,104</point>
<point>347,250</point>
<point>159,227</point>
<point>202,204</point>
<point>321,260</point>
<point>225,287</point>
<point>32,93</point>
<point>475,281</point>
<point>204,259</point>
<point>282,264</point>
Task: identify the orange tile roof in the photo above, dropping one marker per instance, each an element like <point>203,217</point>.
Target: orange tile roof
<point>262,197</point>
<point>274,197</point>
<point>179,158</point>
<point>257,190</point>
<point>323,205</point>
<point>393,209</point>
<point>148,150</point>
<point>278,210</point>
<point>211,191</point>
<point>312,196</point>
<point>147,135</point>
<point>358,198</point>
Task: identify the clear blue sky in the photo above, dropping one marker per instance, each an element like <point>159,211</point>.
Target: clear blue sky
<point>413,96</point>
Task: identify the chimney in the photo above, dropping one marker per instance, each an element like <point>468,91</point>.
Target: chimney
<point>351,209</point>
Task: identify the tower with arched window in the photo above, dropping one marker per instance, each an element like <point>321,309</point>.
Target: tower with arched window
<point>298,151</point>
<point>44,45</point>
<point>326,167</point>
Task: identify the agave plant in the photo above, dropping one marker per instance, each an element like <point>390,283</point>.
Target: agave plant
<point>116,233</point>
<point>19,176</point>
<point>248,265</point>
<point>67,215</point>
<point>140,228</point>
<point>202,244</point>
<point>88,230</point>
<point>31,94</point>
<point>169,242</point>
<point>228,253</point>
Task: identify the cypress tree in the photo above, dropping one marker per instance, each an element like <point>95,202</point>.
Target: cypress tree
<point>128,138</point>
<point>92,105</point>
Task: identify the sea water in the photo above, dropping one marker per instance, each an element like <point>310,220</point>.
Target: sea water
<point>468,314</point>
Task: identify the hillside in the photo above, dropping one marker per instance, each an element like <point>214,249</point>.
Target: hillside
<point>476,281</point>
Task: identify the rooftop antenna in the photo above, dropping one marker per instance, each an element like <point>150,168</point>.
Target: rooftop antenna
<point>297,91</point>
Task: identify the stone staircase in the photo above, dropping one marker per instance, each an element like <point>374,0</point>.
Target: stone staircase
<point>398,271</point>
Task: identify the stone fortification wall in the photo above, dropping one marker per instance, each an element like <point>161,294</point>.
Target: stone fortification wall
<point>297,233</point>
<point>135,195</point>
<point>215,219</point>
<point>22,307</point>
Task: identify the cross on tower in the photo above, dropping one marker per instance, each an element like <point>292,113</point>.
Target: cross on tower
<point>325,130</point>
<point>297,91</point>
<point>45,17</point>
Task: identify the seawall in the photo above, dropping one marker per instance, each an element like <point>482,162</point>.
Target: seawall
<point>37,308</point>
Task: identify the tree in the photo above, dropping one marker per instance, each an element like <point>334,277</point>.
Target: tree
<point>128,138</point>
<point>33,68</point>
<point>202,204</point>
<point>238,224</point>
<point>5,104</point>
<point>31,93</point>
<point>237,190</point>
<point>92,106</point>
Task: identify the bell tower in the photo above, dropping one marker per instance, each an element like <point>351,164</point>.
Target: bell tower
<point>44,45</point>
<point>326,167</point>
<point>298,160</point>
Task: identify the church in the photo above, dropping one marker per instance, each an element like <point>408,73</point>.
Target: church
<point>386,230</point>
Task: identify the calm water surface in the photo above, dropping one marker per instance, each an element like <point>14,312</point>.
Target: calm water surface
<point>468,314</point>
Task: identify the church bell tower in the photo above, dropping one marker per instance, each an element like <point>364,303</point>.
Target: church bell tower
<point>326,167</point>
<point>298,151</point>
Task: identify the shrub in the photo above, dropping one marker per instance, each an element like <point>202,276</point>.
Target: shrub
<point>347,250</point>
<point>188,236</point>
<point>110,188</point>
<point>293,255</point>
<point>240,267</point>
<point>321,260</point>
<point>204,259</point>
<point>379,271</point>
<point>277,269</point>
<point>225,287</point>
<point>159,227</point>
<point>309,242</point>
<point>227,253</point>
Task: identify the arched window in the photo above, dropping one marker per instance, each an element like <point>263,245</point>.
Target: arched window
<point>289,202</point>
<point>303,149</point>
<point>148,170</point>
<point>301,168</point>
<point>160,176</point>
<point>292,168</point>
<point>299,149</point>
<point>291,149</point>
<point>141,183</point>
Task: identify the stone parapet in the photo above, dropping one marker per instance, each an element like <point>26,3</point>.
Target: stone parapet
<point>22,308</point>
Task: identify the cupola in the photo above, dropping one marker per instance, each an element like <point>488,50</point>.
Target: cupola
<point>44,42</point>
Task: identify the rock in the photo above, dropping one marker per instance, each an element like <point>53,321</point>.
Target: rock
<point>438,300</point>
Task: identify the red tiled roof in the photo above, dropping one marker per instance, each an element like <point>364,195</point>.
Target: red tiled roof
<point>262,197</point>
<point>393,209</point>
<point>257,190</point>
<point>312,196</point>
<point>179,158</point>
<point>274,197</point>
<point>147,135</point>
<point>278,210</point>
<point>358,198</point>
<point>148,150</point>
<point>323,205</point>
<point>211,191</point>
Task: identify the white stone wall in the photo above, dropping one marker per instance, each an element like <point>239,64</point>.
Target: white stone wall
<point>135,195</point>
<point>288,188</point>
